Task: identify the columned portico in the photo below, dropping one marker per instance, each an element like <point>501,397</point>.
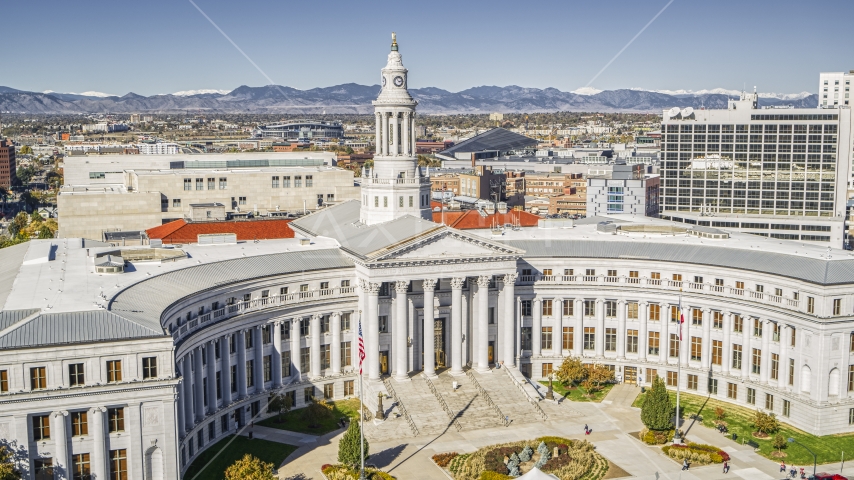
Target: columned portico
<point>276,358</point>
<point>482,346</point>
<point>509,351</point>
<point>457,326</point>
<point>429,287</point>
<point>225,369</point>
<point>401,323</point>
<point>372,335</point>
<point>335,361</point>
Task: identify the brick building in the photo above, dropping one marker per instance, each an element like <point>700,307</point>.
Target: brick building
<point>7,164</point>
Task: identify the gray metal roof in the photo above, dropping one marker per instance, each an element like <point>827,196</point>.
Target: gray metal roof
<point>813,270</point>
<point>341,222</point>
<point>74,327</point>
<point>11,317</point>
<point>144,302</point>
<point>493,139</point>
<point>11,259</point>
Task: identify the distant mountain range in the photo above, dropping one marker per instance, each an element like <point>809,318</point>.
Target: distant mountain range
<point>354,98</point>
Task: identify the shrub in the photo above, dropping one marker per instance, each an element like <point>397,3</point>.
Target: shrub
<point>542,449</point>
<point>457,462</point>
<point>443,459</point>
<point>526,453</point>
<point>780,442</point>
<point>557,462</point>
<point>342,472</point>
<point>654,437</point>
<point>494,460</point>
<point>696,453</point>
<point>325,467</point>
<point>514,458</point>
<point>720,413</point>
<point>765,423</point>
<point>487,475</point>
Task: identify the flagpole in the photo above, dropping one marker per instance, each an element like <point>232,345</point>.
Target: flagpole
<point>676,437</point>
<point>361,404</point>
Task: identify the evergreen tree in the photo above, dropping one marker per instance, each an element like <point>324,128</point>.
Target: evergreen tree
<point>348,447</point>
<point>657,410</point>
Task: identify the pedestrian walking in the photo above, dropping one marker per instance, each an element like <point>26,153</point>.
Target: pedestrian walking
<point>783,467</point>
<point>685,464</point>
<point>726,466</point>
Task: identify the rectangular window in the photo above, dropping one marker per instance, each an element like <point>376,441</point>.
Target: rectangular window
<point>775,366</point>
<point>241,200</point>
<point>651,373</point>
<point>787,408</point>
<point>757,327</point>
<point>631,341</point>
<point>247,339</point>
<point>810,305</point>
<point>219,385</point>
<point>211,184</point>
<point>309,181</point>
<point>4,380</point>
<point>149,368</point>
<point>696,348</point>
<point>547,338</point>
<point>76,378</point>
<point>38,378</point>
<point>547,370</point>
<point>250,373</point>
<point>200,184</point>
<point>116,419</point>
<point>79,424</point>
<point>325,354</point>
<point>610,308</point>
<point>568,338</point>
<point>233,376</point>
<point>41,427</point>
<point>589,338</point>
<point>297,181</point>
<point>769,402</point>
<point>345,322</point>
<point>80,467</point>
<point>717,320</point>
<point>610,339</point>
<point>654,312</point>
<point>717,352</point>
<point>756,361</point>
<point>266,333</point>
<point>692,382</point>
<point>223,183</point>
<point>837,306</point>
<point>328,391</point>
<point>792,337</point>
<point>568,308</point>
<point>632,311</point>
<point>526,308</point>
<point>792,372</point>
<point>383,323</point>
<point>275,181</point>
<point>591,272</point>
<point>304,327</point>
<point>188,184</point>
<point>590,308</point>
<point>732,390</point>
<point>696,317</point>
<point>43,468</point>
<point>672,379</point>
<point>674,345</point>
<point>346,354</point>
<point>737,324</point>
<point>526,338</point>
<point>751,396</point>
<point>268,368</point>
<point>307,394</point>
<point>674,313</point>
<point>349,391</point>
<point>547,308</point>
<point>286,364</point>
<point>119,464</point>
<point>713,386</point>
<point>305,360</point>
<point>655,275</point>
<point>653,343</point>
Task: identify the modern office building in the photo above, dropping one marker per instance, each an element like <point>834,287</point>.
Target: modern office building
<point>627,190</point>
<point>834,89</point>
<point>8,172</point>
<point>302,131</point>
<point>778,172</point>
<point>158,148</point>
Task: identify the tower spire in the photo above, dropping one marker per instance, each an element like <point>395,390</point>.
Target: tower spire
<point>393,41</point>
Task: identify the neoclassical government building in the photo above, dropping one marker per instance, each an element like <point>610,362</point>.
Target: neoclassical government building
<point>127,362</point>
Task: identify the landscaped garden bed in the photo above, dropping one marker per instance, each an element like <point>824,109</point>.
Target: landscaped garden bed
<point>696,453</point>
<point>567,459</point>
<point>342,472</point>
<point>579,393</point>
<point>318,418</point>
<point>211,463</point>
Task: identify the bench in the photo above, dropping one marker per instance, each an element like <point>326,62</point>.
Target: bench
<point>752,444</point>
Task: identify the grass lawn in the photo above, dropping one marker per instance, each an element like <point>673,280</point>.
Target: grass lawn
<point>294,421</point>
<point>739,420</point>
<point>579,394</point>
<point>211,464</point>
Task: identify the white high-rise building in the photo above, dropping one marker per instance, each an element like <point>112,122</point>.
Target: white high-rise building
<point>395,185</point>
<point>834,89</point>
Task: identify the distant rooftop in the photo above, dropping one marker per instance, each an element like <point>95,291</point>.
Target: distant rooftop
<point>494,139</point>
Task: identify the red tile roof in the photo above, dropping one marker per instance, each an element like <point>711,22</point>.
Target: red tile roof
<point>180,231</point>
<point>471,219</point>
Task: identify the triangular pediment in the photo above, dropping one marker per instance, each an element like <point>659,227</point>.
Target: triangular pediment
<point>449,244</point>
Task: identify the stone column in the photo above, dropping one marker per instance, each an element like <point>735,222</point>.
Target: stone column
<point>621,329</point>
<point>399,330</point>
<point>405,134</point>
<point>60,433</point>
<point>276,354</point>
<point>536,327</point>
<point>727,344</point>
<point>379,132</point>
<point>198,384</point>
<point>643,332</point>
<point>97,460</point>
<point>412,132</point>
<point>296,367</point>
<point>225,369</point>
<point>314,354</point>
<point>509,327</point>
<point>210,350</point>
<point>336,344</point>
<point>783,361</point>
<point>765,369</point>
<point>258,350</point>
<point>483,323</point>
<point>372,332</point>
<point>746,326</point>
<point>706,358</point>
<point>685,343</point>
<point>385,133</point>
<point>457,325</point>
<point>179,402</point>
<point>578,342</point>
<point>557,335</point>
<point>240,341</point>
<point>664,331</point>
<point>429,286</point>
<point>187,391</point>
<point>600,327</point>
<point>395,136</point>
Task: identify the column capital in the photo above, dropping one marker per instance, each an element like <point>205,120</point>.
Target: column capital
<point>369,287</point>
<point>643,303</point>
<point>316,316</point>
<point>558,299</point>
<point>483,280</point>
<point>536,300</point>
<point>428,284</point>
<point>401,286</point>
<point>457,283</point>
<point>98,409</point>
<point>60,413</point>
<point>621,302</point>
<point>510,277</point>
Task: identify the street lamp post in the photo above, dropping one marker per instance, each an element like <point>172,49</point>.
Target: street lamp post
<point>814,459</point>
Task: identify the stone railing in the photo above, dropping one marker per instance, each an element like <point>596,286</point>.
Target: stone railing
<point>451,415</point>
<point>531,400</point>
<point>395,181</point>
<point>483,393</point>
<point>240,308</point>
<point>390,389</point>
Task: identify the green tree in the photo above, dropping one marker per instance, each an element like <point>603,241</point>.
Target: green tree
<point>282,404</point>
<point>571,371</point>
<point>250,468</point>
<point>26,150</point>
<point>765,423</point>
<point>7,465</point>
<point>599,374</point>
<point>780,442</point>
<point>18,224</point>
<point>657,409</point>
<point>348,448</point>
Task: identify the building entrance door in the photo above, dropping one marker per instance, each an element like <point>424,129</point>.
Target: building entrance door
<point>491,352</point>
<point>631,375</point>
<point>439,342</point>
<point>384,362</point>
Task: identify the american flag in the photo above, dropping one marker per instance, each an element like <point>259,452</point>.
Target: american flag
<point>681,319</point>
<point>361,347</point>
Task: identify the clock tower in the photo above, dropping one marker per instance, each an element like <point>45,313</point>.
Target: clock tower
<point>394,186</point>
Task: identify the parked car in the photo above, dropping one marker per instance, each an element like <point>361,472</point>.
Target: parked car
<point>827,476</point>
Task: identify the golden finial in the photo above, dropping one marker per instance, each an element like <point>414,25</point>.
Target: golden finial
<point>393,42</point>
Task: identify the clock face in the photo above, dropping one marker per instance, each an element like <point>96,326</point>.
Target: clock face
<point>398,81</point>
<point>383,81</point>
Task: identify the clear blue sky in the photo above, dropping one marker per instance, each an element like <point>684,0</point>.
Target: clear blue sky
<point>163,46</point>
